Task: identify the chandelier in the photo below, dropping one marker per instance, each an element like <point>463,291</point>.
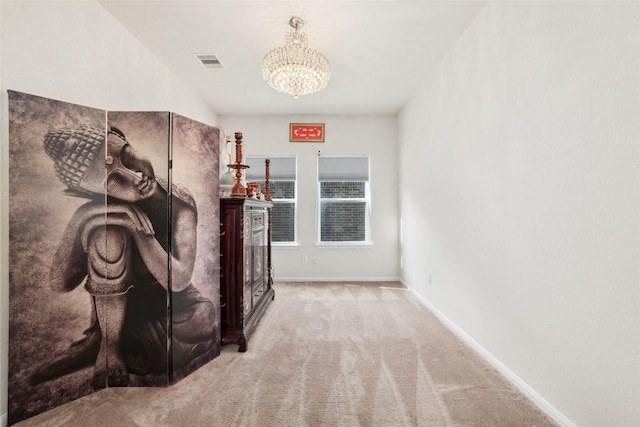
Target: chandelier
<point>294,68</point>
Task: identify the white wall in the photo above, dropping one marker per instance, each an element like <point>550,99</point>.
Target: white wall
<point>524,146</point>
<point>375,135</point>
<point>75,52</point>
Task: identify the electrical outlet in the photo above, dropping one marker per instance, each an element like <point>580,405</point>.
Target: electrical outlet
<point>428,278</point>
<point>305,260</point>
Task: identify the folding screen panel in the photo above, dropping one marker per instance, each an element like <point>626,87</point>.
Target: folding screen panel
<point>138,145</point>
<point>54,153</point>
<point>106,239</point>
<point>195,338</point>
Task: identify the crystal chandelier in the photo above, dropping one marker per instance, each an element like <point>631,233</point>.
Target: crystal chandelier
<point>294,68</point>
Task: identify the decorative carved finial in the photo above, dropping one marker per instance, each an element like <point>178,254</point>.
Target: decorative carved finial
<point>238,136</point>
<point>267,196</point>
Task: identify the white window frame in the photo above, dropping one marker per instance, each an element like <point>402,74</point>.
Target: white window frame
<point>260,158</point>
<point>366,199</point>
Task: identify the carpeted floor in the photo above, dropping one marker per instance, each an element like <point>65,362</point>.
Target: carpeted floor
<point>325,354</point>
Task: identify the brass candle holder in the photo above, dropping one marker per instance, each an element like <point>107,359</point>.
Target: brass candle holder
<point>238,189</point>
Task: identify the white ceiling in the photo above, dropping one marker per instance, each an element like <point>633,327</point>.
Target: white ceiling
<point>379,51</point>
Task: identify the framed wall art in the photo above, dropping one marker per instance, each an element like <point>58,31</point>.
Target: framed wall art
<point>306,132</point>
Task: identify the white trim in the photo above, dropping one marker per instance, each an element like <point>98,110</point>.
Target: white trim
<point>336,279</point>
<point>344,245</point>
<point>285,245</point>
<point>536,398</point>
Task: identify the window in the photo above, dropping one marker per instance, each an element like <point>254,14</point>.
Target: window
<point>282,187</point>
<point>343,188</point>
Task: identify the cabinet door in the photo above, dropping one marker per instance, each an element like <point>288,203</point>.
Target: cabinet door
<point>259,243</point>
<point>247,269</point>
<point>259,265</point>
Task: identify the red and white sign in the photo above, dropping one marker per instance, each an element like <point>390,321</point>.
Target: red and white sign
<point>306,132</point>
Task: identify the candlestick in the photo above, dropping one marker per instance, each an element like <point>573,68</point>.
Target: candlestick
<point>238,189</point>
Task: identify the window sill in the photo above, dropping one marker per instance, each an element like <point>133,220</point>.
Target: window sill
<point>292,245</point>
<point>344,245</point>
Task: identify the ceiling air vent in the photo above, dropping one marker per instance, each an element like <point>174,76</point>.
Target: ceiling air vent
<point>209,60</point>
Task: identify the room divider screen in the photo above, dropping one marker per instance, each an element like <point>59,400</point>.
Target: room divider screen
<point>113,250</point>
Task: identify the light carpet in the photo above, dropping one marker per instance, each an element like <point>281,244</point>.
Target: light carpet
<point>325,354</point>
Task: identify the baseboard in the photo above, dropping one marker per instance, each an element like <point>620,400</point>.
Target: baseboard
<point>536,398</point>
<point>3,420</point>
<point>336,279</point>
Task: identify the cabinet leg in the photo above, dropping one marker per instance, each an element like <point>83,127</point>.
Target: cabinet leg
<point>242,341</point>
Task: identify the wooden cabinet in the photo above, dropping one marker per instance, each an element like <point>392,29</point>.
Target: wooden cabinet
<point>245,273</point>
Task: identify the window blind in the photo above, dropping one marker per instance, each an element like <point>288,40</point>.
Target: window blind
<point>343,168</point>
<point>280,168</point>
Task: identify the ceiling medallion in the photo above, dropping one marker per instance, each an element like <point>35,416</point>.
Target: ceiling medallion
<point>294,68</point>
